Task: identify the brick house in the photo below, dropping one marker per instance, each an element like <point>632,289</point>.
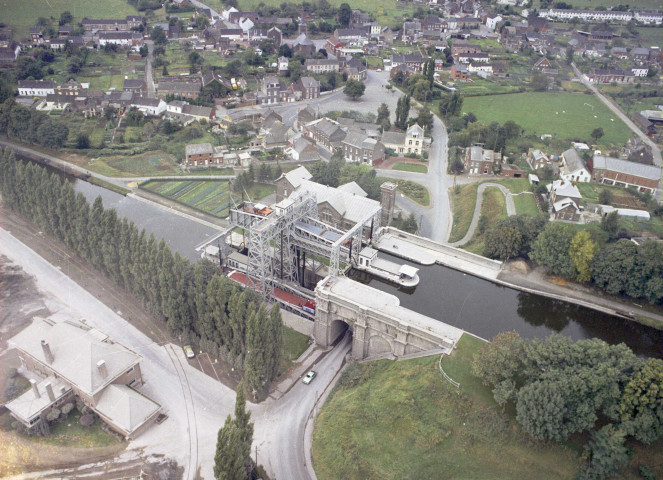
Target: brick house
<point>413,61</point>
<point>101,373</point>
<point>459,72</point>
<point>358,148</point>
<point>290,181</point>
<point>198,155</point>
<point>412,141</point>
<point>309,88</point>
<point>479,161</point>
<point>564,200</point>
<point>613,171</point>
<point>326,133</point>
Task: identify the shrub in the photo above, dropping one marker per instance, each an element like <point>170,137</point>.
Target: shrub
<point>87,420</point>
<point>53,415</point>
<point>67,407</point>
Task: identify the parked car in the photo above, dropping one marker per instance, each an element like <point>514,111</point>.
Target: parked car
<point>188,351</point>
<point>308,378</point>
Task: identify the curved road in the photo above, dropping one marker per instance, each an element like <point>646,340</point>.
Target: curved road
<point>510,210</point>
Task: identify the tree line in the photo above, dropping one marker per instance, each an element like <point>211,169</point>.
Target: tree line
<point>194,301</point>
<point>560,388</point>
<point>22,123</point>
<point>601,255</point>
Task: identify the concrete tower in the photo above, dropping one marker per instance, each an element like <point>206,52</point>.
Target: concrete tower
<point>387,201</point>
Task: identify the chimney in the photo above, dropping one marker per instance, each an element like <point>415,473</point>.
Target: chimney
<point>101,365</point>
<point>33,383</point>
<point>49,390</point>
<point>47,351</point>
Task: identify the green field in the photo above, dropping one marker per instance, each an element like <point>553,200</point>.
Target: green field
<point>387,12</point>
<point>410,167</point>
<point>413,190</point>
<point>23,14</point>
<point>526,205</point>
<point>146,164</point>
<point>563,115</point>
<point>208,196</point>
<point>295,343</point>
<point>403,420</point>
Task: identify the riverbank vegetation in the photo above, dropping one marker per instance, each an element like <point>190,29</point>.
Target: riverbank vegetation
<point>394,420</point>
<point>194,301</point>
<point>600,254</point>
<point>493,209</point>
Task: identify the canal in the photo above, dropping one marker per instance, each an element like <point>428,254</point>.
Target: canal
<point>485,309</point>
<point>473,304</point>
<point>180,233</point>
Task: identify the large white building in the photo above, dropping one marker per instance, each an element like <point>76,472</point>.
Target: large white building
<point>586,15</point>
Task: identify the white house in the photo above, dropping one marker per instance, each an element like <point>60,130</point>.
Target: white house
<point>639,71</point>
<point>149,106</point>
<point>492,21</point>
<point>35,88</point>
<point>283,65</point>
<point>572,167</point>
<point>246,24</point>
<point>480,67</point>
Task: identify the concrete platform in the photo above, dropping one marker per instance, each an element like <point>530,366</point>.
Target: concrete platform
<point>427,252</point>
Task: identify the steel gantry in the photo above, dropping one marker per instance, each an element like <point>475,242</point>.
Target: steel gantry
<point>276,233</point>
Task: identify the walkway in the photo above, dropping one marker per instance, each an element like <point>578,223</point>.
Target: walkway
<point>510,210</point>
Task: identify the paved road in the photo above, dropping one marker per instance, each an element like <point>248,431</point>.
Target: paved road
<point>510,210</point>
<point>279,428</point>
<point>656,151</point>
<point>149,79</point>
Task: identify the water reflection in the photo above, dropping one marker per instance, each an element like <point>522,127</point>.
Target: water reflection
<point>485,309</point>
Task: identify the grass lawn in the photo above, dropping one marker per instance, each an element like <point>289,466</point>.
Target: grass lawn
<point>410,167</point>
<point>295,343</point>
<point>72,433</point>
<point>398,420</point>
<point>526,205</point>
<point>206,195</point>
<point>413,191</point>
<point>23,14</point>
<point>494,209</point>
<point>463,204</point>
<point>563,115</point>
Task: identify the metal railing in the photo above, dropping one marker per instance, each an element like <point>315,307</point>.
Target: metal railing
<point>451,381</point>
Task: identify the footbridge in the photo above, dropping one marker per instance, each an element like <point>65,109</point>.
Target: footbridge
<point>379,325</point>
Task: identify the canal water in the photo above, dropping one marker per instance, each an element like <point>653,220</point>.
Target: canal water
<point>486,309</point>
<point>181,234</point>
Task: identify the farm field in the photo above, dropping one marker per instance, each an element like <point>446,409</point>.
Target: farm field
<point>146,164</point>
<point>24,13</point>
<point>396,420</point>
<point>207,195</point>
<point>562,115</point>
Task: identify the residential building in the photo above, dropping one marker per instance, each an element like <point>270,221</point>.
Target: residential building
<point>613,171</point>
<point>149,106</point>
<point>413,61</point>
<point>572,168</point>
<point>270,88</point>
<point>179,87</point>
<point>459,72</point>
<point>309,88</point>
<point>75,362</point>
<point>565,201</point>
<point>479,161</point>
<point>586,15</point>
<point>35,88</point>
<point>649,17</point>
<point>303,150</point>
<point>326,133</point>
<point>358,148</point>
<point>290,181</point>
<point>198,155</point>
<point>322,65</point>
<point>473,58</point>
<point>283,64</point>
<point>136,86</point>
<point>121,39</point>
<point>305,116</point>
<point>412,141</point>
<point>131,21</point>
<point>303,45</point>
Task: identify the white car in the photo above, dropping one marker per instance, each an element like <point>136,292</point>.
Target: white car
<point>308,378</point>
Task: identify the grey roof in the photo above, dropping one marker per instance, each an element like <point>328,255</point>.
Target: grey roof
<point>309,82</point>
<point>297,176</point>
<point>351,207</point>
<point>28,405</point>
<point>197,111</point>
<point>36,84</point>
<point>76,353</point>
<point>326,126</point>
<point>393,138</point>
<point>355,139</point>
<point>320,61</point>
<point>573,160</point>
<point>302,39</point>
<point>179,86</point>
<point>146,101</point>
<point>125,408</point>
<point>129,83</point>
<point>353,188</point>
<point>198,148</point>
<point>628,168</point>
